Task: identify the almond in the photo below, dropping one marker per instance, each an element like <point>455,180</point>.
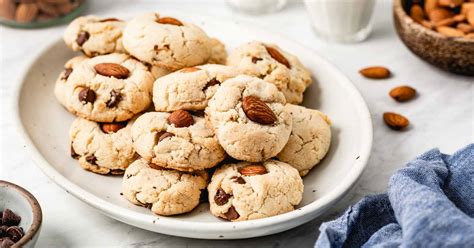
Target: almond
<point>258,111</point>
<point>439,14</point>
<point>181,118</point>
<point>450,32</point>
<point>26,12</point>
<point>375,72</point>
<point>430,5</point>
<point>112,127</point>
<point>395,121</point>
<point>402,93</point>
<point>446,22</point>
<point>417,13</point>
<point>7,9</point>
<point>276,55</point>
<point>427,24</point>
<point>252,170</point>
<point>112,70</point>
<point>47,8</point>
<point>470,17</point>
<point>450,3</point>
<point>459,18</point>
<point>466,7</point>
<point>189,69</point>
<point>464,27</point>
<point>469,36</point>
<point>170,21</point>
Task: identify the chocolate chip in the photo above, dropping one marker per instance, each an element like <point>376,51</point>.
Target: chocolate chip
<point>86,95</point>
<point>161,136</point>
<point>74,155</point>
<point>9,218</point>
<point>3,231</point>
<point>239,180</point>
<point>6,243</point>
<point>212,82</point>
<point>221,197</point>
<point>67,72</point>
<point>204,197</point>
<point>15,233</point>
<point>82,38</point>
<point>91,159</point>
<point>198,113</point>
<point>114,99</point>
<point>255,59</point>
<point>232,214</point>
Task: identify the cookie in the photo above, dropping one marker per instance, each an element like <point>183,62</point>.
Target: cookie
<point>246,191</point>
<point>309,140</point>
<point>94,35</point>
<point>218,52</point>
<point>165,192</point>
<point>270,63</point>
<point>60,87</point>
<point>103,148</point>
<point>166,41</point>
<point>249,118</point>
<point>108,88</point>
<point>177,141</point>
<point>190,88</point>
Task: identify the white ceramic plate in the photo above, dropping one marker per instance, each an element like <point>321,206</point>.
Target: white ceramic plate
<point>44,125</point>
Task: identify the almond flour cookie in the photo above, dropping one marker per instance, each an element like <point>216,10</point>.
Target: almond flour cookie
<point>218,52</point>
<point>177,141</point>
<point>165,192</point>
<point>270,63</point>
<point>246,191</point>
<point>94,35</point>
<point>309,140</point>
<point>103,148</point>
<point>190,88</point>
<point>166,41</point>
<point>249,118</point>
<point>108,88</point>
<point>60,88</point>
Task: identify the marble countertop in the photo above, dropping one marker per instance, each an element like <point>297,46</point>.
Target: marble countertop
<point>442,116</point>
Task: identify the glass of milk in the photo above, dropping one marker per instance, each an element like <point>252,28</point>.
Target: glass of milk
<point>341,20</point>
<point>257,6</point>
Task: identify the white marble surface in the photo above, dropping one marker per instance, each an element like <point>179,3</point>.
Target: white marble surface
<point>442,116</point>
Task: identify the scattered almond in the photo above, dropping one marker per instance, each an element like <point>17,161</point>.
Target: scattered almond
<point>112,70</point>
<point>252,170</point>
<point>375,72</point>
<point>395,121</point>
<point>402,93</point>
<point>258,111</point>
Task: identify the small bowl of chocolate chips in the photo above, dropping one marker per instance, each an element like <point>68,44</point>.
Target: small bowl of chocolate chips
<point>20,216</point>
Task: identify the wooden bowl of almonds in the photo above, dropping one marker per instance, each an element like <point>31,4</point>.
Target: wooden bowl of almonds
<point>438,31</point>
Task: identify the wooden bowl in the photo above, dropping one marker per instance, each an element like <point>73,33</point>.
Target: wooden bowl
<point>453,54</point>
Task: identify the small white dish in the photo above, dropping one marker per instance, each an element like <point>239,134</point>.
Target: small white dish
<point>24,204</point>
<point>44,125</point>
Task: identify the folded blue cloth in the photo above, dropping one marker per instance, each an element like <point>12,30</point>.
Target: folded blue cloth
<point>429,203</point>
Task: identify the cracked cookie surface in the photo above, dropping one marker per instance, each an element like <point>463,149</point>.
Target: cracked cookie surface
<point>236,195</point>
<point>60,87</point>
<point>101,152</point>
<point>173,45</point>
<point>165,192</point>
<point>272,64</point>
<point>189,148</point>
<point>190,88</point>
<point>241,137</point>
<point>309,141</point>
<point>105,98</point>
<point>94,35</point>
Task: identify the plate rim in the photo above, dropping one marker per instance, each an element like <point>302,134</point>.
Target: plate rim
<point>164,223</point>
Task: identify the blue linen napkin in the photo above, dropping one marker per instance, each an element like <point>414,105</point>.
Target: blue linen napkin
<point>429,203</point>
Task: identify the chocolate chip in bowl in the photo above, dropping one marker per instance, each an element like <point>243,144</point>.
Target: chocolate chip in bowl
<point>21,216</point>
<point>438,32</point>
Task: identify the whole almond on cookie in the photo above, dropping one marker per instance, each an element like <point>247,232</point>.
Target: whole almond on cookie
<point>26,12</point>
<point>276,55</point>
<point>402,93</point>
<point>258,111</point>
<point>181,118</point>
<point>112,70</point>
<point>375,72</point>
<point>112,127</point>
<point>170,21</point>
<point>395,121</point>
<point>252,170</point>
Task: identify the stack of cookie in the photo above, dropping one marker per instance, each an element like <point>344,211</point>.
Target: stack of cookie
<point>156,103</point>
